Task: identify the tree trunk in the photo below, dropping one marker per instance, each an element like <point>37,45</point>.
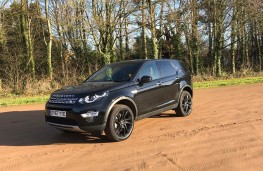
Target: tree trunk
<point>261,53</point>
<point>210,36</point>
<point>233,41</point>
<point>161,31</point>
<point>27,40</point>
<point>0,85</point>
<point>122,55</point>
<point>49,43</point>
<point>218,36</point>
<point>126,39</point>
<point>195,38</point>
<point>190,55</point>
<point>30,50</point>
<point>87,57</point>
<point>153,29</point>
<point>144,41</point>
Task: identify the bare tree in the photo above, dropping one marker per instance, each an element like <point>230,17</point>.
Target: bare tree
<point>153,29</point>
<point>49,43</point>
<point>27,39</point>
<point>144,39</point>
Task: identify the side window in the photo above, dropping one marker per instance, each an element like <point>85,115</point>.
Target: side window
<point>149,69</point>
<point>178,68</point>
<point>166,68</point>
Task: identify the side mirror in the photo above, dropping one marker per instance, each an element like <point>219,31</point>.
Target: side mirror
<point>145,79</point>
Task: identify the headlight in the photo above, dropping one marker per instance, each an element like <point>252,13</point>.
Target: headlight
<point>91,99</point>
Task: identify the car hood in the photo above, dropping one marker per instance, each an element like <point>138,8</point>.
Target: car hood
<point>90,88</point>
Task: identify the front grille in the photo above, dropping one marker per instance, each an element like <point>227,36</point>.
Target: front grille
<point>63,121</point>
<point>63,99</point>
<point>57,107</point>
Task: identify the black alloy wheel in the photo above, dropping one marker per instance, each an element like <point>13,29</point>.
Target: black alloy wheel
<point>185,104</point>
<point>120,123</point>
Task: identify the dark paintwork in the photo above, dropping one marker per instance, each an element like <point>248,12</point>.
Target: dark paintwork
<point>151,98</point>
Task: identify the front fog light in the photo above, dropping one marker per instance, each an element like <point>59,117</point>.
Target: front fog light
<point>90,114</point>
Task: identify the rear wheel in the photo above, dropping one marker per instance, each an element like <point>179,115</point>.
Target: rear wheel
<point>120,123</point>
<point>185,104</point>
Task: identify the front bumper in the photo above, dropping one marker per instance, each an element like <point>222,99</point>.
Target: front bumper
<point>66,127</point>
<point>73,120</point>
<point>74,128</point>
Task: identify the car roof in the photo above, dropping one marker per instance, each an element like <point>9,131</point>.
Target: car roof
<point>146,60</point>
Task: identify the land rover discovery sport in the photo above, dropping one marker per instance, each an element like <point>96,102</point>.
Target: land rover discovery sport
<point>116,95</point>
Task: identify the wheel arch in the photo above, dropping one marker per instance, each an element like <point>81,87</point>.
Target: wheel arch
<point>125,101</point>
<point>187,88</point>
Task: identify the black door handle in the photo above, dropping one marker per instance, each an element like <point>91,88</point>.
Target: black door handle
<point>159,83</point>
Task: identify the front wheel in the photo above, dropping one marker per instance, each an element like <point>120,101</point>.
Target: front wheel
<point>120,123</point>
<point>185,104</point>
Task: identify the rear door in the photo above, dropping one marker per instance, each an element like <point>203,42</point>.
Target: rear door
<point>169,82</point>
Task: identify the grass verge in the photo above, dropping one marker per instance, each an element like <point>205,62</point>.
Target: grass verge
<point>228,82</point>
<point>13,100</point>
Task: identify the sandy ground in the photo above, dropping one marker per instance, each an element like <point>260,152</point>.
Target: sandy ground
<point>224,132</point>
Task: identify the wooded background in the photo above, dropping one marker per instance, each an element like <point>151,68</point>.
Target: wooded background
<point>49,43</point>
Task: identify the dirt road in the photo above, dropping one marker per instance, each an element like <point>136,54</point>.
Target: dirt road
<point>224,132</point>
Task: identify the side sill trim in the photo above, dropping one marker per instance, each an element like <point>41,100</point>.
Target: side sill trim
<point>147,115</point>
<point>169,102</point>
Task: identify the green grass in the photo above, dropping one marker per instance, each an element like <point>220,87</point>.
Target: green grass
<point>11,101</point>
<point>14,100</point>
<point>228,82</point>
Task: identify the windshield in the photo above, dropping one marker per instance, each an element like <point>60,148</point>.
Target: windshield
<point>120,72</point>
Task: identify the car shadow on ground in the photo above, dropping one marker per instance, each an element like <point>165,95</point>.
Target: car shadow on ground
<point>28,128</point>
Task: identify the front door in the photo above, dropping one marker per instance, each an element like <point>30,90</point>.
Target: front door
<point>148,94</point>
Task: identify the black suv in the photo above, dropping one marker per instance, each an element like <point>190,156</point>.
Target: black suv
<point>118,94</point>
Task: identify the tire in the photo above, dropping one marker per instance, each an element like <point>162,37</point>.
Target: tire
<point>185,104</point>
<point>120,123</point>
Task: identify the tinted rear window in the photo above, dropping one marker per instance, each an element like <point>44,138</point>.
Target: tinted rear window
<point>179,68</point>
<point>166,68</point>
